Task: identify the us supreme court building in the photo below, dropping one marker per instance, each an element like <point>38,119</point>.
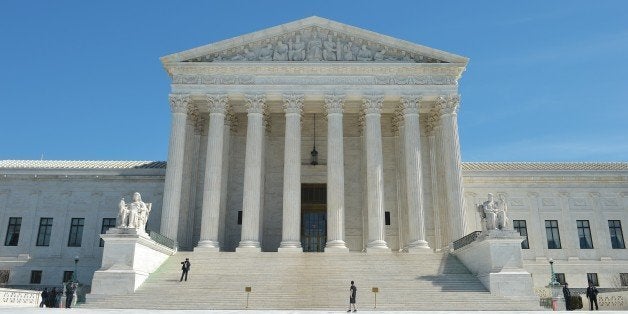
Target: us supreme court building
<point>315,136</point>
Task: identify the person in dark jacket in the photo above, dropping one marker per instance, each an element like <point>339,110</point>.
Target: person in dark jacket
<point>352,293</point>
<point>567,295</point>
<point>592,296</point>
<point>185,268</point>
<point>44,297</point>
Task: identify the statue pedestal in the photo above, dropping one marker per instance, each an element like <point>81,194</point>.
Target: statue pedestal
<point>129,256</point>
<point>495,257</point>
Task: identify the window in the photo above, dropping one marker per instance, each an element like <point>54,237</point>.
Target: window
<point>584,234</point>
<point>76,232</point>
<point>617,237</point>
<point>67,275</point>
<point>13,231</point>
<point>239,217</point>
<point>36,276</point>
<point>592,278</point>
<point>560,277</point>
<point>387,218</point>
<point>553,236</point>
<point>106,224</point>
<point>520,226</point>
<point>623,277</point>
<point>45,228</point>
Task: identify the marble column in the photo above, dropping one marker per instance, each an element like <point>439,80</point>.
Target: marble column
<point>335,176</point>
<point>372,106</point>
<point>251,204</point>
<point>291,227</point>
<point>448,108</point>
<point>187,207</point>
<point>414,184</point>
<point>210,216</point>
<point>174,170</point>
<point>432,120</point>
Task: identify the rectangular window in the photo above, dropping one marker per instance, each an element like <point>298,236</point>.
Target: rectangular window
<point>617,236</point>
<point>239,217</point>
<point>387,218</point>
<point>36,276</point>
<point>13,231</point>
<point>520,226</point>
<point>45,228</point>
<point>560,277</point>
<point>584,234</point>
<point>76,232</point>
<point>553,236</point>
<point>106,224</point>
<point>67,275</point>
<point>592,278</point>
<point>623,277</point>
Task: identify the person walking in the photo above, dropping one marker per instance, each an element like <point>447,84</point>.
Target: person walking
<point>52,296</point>
<point>69,295</point>
<point>44,297</point>
<point>592,296</point>
<point>352,293</point>
<point>185,268</point>
<point>58,297</point>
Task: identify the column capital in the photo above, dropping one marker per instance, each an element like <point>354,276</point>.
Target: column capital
<point>293,103</point>
<point>410,104</point>
<point>372,104</point>
<point>218,103</point>
<point>255,103</point>
<point>179,102</point>
<point>334,104</point>
<point>448,104</point>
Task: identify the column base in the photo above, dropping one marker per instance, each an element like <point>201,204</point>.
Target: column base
<point>206,249</point>
<point>377,246</point>
<point>290,250</point>
<point>209,245</point>
<point>336,246</point>
<point>419,247</point>
<point>249,246</point>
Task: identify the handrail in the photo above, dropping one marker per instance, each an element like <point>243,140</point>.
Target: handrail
<point>162,239</point>
<point>462,242</point>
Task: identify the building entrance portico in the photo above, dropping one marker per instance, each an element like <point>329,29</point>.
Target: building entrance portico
<point>243,119</point>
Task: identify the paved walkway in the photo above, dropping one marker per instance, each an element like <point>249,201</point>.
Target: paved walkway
<point>135,311</point>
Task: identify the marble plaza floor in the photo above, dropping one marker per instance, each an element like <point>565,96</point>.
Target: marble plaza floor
<point>138,311</point>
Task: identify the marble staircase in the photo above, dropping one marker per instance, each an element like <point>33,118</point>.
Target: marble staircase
<point>317,281</point>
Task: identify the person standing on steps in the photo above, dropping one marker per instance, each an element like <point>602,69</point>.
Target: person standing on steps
<point>185,267</point>
<point>567,296</point>
<point>592,296</point>
<point>352,292</point>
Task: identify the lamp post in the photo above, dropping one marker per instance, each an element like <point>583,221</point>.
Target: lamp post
<point>74,275</point>
<point>554,287</point>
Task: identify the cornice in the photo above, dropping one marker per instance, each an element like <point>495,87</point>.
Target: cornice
<point>545,166</point>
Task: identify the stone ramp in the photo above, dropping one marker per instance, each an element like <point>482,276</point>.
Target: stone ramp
<point>315,281</point>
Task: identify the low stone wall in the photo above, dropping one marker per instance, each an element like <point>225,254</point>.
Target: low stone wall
<point>19,298</point>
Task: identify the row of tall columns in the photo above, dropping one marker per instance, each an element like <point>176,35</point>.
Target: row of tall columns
<point>444,156</point>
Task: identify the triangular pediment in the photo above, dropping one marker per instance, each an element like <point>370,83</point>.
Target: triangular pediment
<point>314,39</point>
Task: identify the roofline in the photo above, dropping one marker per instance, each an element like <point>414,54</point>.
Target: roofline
<point>309,21</point>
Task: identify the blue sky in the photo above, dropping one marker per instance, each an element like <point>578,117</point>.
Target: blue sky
<point>546,81</point>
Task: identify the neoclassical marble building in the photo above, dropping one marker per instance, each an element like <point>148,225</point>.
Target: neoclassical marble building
<point>315,136</point>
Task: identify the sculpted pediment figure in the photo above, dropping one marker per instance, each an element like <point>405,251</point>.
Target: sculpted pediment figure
<point>314,39</point>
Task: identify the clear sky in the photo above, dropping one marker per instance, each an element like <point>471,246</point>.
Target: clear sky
<point>546,81</point>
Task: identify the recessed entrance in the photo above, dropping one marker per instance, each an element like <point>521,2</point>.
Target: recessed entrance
<point>313,217</point>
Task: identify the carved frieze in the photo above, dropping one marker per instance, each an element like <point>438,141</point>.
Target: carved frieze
<point>200,79</point>
<point>315,44</point>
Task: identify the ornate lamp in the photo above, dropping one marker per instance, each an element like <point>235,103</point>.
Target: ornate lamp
<point>314,153</point>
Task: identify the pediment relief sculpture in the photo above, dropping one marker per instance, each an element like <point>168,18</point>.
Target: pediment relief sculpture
<point>315,44</point>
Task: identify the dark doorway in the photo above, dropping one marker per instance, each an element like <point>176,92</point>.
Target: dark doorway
<point>313,217</point>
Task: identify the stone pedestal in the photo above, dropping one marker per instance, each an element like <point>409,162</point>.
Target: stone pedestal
<point>129,256</point>
<point>495,257</point>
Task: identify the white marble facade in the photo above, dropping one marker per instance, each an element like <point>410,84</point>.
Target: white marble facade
<point>387,138</point>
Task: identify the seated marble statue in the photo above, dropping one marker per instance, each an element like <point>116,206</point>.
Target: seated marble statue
<point>266,53</point>
<point>347,52</point>
<point>281,52</point>
<point>134,215</point>
<point>493,213</point>
<point>329,49</point>
<point>365,54</point>
<point>315,49</point>
<point>297,49</point>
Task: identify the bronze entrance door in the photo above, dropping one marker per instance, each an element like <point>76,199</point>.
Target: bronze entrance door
<point>313,217</point>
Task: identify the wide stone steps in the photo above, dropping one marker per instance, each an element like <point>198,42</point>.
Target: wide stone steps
<point>429,281</point>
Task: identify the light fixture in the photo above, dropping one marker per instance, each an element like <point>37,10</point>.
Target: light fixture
<point>314,153</point>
